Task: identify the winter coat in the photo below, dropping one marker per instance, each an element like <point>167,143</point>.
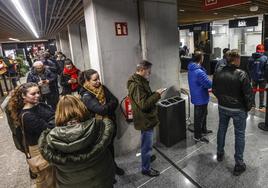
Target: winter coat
<point>34,77</point>
<point>232,88</point>
<point>36,120</point>
<point>143,102</point>
<point>79,153</point>
<point>257,64</point>
<point>199,84</point>
<point>66,87</point>
<point>93,105</point>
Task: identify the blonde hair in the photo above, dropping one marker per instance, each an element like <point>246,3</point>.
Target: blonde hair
<point>70,108</point>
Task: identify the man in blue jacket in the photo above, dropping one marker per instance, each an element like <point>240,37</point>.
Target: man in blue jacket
<point>199,84</point>
<point>257,63</point>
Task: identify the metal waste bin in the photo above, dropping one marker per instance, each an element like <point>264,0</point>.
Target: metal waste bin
<point>172,116</point>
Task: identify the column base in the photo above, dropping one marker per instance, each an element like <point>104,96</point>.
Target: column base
<point>262,126</point>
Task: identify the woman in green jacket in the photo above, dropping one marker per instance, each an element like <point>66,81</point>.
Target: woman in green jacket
<point>77,147</point>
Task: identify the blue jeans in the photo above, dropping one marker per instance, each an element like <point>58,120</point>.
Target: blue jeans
<point>146,149</point>
<point>239,121</point>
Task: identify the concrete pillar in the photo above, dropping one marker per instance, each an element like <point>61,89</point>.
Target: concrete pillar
<point>1,50</point>
<point>57,38</point>
<point>76,46</point>
<point>64,44</point>
<point>160,33</point>
<point>84,45</point>
<point>116,57</point>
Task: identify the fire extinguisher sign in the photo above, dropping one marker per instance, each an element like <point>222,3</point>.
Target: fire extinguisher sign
<point>121,29</point>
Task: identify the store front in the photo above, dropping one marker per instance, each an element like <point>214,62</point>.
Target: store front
<point>242,34</point>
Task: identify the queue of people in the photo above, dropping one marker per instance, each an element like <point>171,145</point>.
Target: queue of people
<point>75,135</point>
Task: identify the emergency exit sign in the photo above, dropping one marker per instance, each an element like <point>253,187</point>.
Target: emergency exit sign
<point>121,29</point>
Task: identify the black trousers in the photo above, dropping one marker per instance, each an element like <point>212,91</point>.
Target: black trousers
<point>200,120</point>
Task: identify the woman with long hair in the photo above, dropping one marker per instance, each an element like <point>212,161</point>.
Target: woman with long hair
<point>77,147</point>
<point>69,78</point>
<point>33,118</point>
<point>99,101</point>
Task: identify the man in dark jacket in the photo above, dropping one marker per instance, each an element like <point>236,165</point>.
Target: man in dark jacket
<point>223,61</point>
<point>232,88</point>
<point>257,64</point>
<point>143,102</point>
<point>47,81</point>
<point>199,84</point>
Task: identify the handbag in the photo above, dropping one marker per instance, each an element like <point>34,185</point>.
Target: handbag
<point>36,163</point>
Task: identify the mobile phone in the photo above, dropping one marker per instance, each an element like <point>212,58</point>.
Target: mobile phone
<point>164,89</point>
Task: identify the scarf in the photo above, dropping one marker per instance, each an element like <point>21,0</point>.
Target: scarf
<point>74,75</point>
<point>99,94</point>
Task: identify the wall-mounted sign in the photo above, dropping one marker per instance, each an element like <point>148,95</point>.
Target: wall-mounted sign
<point>247,22</point>
<point>217,4</point>
<point>196,27</point>
<point>121,28</point>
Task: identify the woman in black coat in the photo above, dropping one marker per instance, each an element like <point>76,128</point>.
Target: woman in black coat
<point>69,78</point>
<point>99,101</point>
<point>33,118</point>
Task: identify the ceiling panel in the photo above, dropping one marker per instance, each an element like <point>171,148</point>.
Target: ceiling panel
<point>193,12</point>
<point>48,17</point>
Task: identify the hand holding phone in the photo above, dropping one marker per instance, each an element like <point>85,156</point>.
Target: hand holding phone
<point>161,90</point>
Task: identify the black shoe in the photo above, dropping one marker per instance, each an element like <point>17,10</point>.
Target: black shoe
<point>32,175</point>
<point>119,171</point>
<point>239,169</point>
<point>153,158</point>
<point>220,157</point>
<point>207,132</point>
<point>151,173</point>
<point>202,140</point>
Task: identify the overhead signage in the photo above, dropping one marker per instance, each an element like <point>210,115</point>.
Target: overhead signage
<point>217,4</point>
<point>196,27</point>
<point>247,22</point>
<point>121,28</point>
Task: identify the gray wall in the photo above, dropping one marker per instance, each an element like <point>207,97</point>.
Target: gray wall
<point>64,43</point>
<point>76,46</point>
<point>83,34</point>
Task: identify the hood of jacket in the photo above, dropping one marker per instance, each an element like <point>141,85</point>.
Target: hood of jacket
<point>256,55</point>
<point>135,78</point>
<point>76,142</point>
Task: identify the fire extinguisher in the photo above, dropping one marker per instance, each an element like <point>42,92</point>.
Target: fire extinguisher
<point>126,109</point>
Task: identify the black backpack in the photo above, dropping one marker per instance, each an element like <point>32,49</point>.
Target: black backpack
<point>16,132</point>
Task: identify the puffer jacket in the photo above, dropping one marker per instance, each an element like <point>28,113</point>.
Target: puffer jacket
<point>232,88</point>
<point>143,102</point>
<point>199,84</point>
<point>79,154</point>
<point>257,64</point>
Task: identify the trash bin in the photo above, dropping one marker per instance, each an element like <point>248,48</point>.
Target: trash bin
<point>172,116</point>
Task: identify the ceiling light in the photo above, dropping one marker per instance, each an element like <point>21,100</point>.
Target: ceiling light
<point>181,10</point>
<point>13,39</point>
<point>23,14</point>
<point>235,15</point>
<point>215,13</point>
<point>253,8</point>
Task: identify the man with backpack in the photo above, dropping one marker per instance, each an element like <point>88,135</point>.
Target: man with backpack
<point>257,63</point>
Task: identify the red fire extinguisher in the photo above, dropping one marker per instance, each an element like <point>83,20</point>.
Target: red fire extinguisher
<point>127,109</point>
